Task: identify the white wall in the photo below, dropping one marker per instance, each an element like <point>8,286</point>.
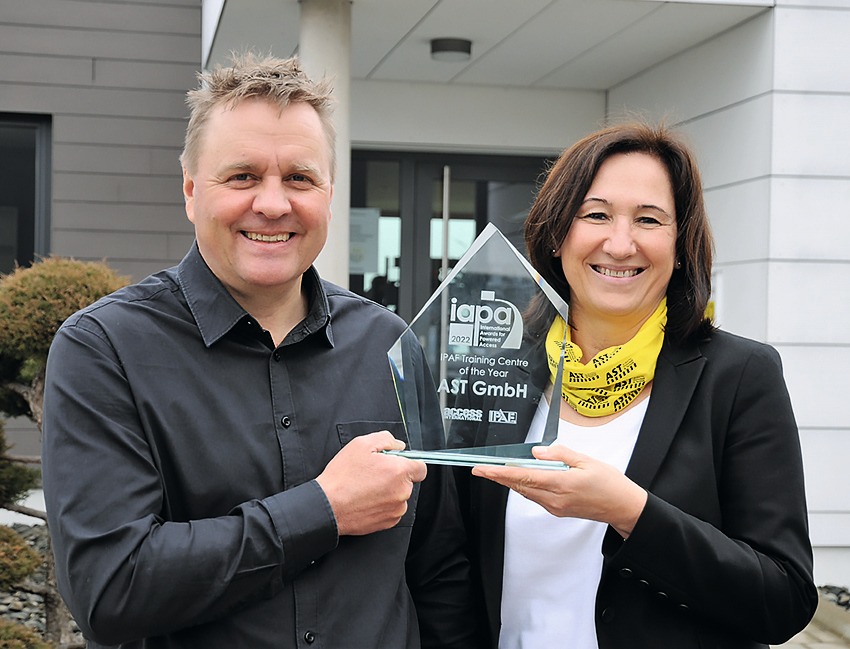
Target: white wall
<point>439,117</point>
<point>809,295</point>
<point>766,107</point>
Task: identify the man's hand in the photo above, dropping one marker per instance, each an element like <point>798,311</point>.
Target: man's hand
<point>368,490</point>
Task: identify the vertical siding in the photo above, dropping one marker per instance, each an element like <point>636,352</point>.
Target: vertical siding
<point>112,74</point>
<point>766,111</point>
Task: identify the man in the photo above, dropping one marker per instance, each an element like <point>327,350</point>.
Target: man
<point>212,435</point>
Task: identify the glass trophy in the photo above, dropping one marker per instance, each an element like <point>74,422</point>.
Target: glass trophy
<point>483,368</point>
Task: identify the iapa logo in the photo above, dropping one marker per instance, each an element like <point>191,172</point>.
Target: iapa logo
<point>492,323</point>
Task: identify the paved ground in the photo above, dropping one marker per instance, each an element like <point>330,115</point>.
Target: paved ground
<point>827,631</point>
<point>815,637</point>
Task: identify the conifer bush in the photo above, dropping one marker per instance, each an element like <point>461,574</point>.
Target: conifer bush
<point>34,302</point>
<point>17,559</point>
<point>17,636</point>
<point>16,480</point>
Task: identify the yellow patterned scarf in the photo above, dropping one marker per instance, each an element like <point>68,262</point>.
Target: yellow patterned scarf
<point>615,376</point>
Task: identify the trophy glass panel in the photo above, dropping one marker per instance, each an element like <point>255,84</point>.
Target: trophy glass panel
<point>481,368</point>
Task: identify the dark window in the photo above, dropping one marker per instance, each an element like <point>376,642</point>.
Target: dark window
<point>24,189</point>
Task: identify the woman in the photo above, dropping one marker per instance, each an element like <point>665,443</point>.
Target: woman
<point>682,519</point>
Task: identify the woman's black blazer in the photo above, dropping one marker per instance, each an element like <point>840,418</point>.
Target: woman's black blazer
<point>720,557</point>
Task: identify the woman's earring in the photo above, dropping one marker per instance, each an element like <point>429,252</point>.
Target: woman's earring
<point>678,264</point>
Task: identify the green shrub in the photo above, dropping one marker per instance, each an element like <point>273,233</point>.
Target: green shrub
<point>35,300</point>
<point>17,636</point>
<point>16,480</point>
<point>17,558</point>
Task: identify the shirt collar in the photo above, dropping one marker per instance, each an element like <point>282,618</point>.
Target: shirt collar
<point>318,320</point>
<point>216,312</point>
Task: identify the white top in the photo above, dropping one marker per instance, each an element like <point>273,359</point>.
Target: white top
<point>553,565</point>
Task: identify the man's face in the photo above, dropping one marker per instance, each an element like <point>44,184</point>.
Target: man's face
<point>260,196</point>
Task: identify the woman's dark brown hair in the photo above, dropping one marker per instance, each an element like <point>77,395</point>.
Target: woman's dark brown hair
<point>566,187</point>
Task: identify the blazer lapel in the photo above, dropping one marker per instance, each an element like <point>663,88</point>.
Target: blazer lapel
<point>676,374</point>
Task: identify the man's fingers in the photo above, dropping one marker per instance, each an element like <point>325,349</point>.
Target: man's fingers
<point>418,470</point>
<point>383,440</point>
<point>396,445</point>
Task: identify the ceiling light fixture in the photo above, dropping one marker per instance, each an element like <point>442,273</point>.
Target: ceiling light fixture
<point>451,49</point>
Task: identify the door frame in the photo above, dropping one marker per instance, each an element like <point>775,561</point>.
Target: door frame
<point>418,173</point>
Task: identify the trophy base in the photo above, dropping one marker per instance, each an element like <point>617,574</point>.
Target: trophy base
<point>518,455</point>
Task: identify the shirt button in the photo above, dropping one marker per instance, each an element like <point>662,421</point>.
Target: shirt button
<point>276,357</point>
<point>626,573</point>
<point>286,422</point>
<point>309,637</point>
<point>608,615</point>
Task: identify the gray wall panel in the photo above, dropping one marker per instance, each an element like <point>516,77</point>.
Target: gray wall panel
<point>168,3</point>
<point>129,17</point>
<point>115,188</point>
<point>121,217</point>
<point>155,75</point>
<point>95,244</point>
<point>45,70</point>
<point>49,40</point>
<point>113,76</point>
<point>138,268</point>
<point>87,100</point>
<point>118,130</point>
<point>117,159</point>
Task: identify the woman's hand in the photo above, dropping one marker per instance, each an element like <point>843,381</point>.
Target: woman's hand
<point>589,489</point>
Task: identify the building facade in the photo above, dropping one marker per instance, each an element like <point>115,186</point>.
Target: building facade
<point>99,85</point>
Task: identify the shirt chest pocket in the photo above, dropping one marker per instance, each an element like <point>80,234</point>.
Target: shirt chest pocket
<point>352,429</point>
<point>349,430</point>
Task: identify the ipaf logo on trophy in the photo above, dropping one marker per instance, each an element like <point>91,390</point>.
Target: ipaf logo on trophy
<point>492,323</point>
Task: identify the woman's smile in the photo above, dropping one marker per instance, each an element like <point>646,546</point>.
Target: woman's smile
<point>613,272</point>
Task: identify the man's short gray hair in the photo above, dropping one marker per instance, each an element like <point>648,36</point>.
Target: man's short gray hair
<point>278,81</point>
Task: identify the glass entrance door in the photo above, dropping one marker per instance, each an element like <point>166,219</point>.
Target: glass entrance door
<point>414,215</point>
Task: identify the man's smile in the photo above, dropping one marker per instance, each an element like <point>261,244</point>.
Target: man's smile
<point>267,238</point>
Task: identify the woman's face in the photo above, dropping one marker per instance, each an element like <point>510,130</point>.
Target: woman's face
<point>619,253</point>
